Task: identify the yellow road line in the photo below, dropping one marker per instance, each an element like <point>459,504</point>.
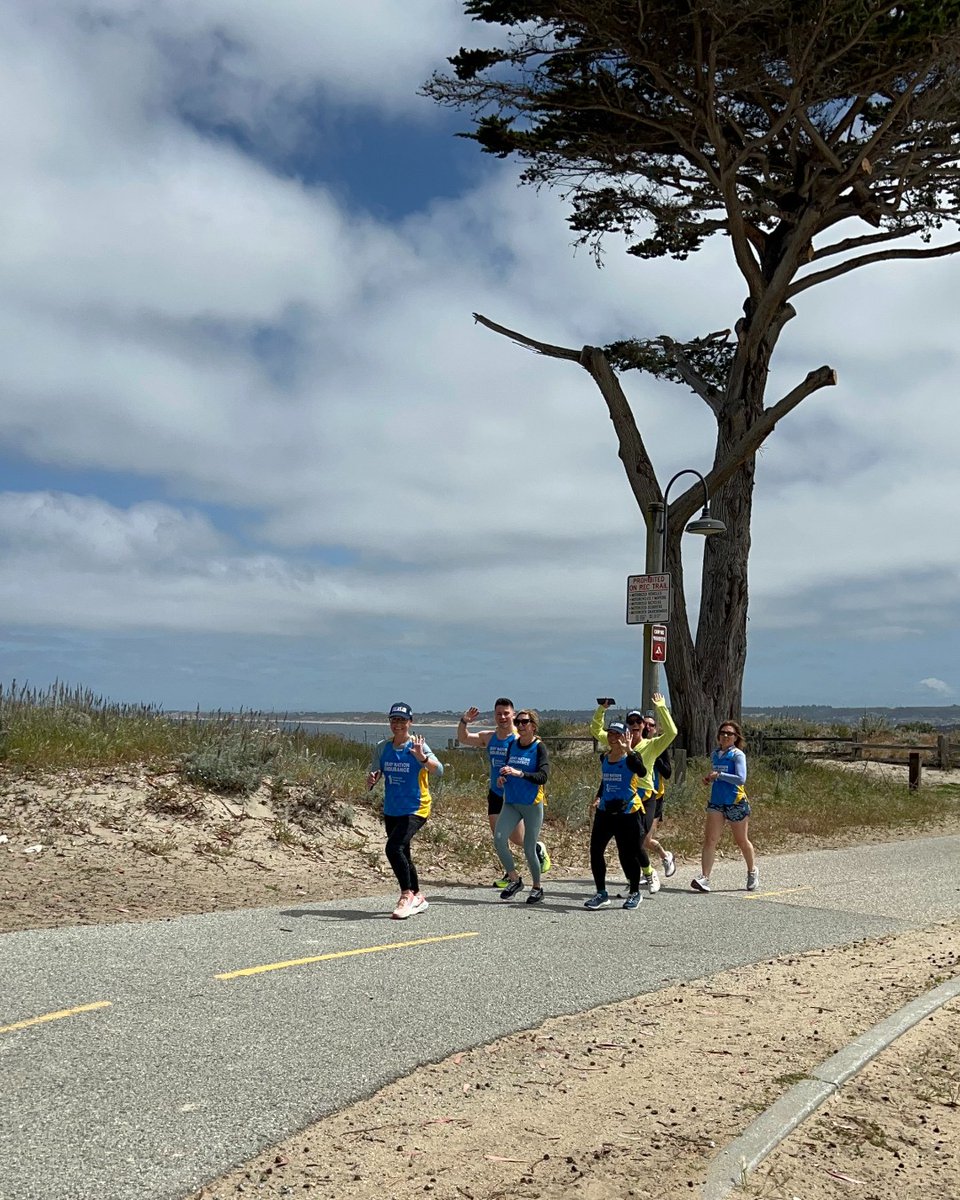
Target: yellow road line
<point>299,962</point>
<point>784,892</point>
<point>55,1016</point>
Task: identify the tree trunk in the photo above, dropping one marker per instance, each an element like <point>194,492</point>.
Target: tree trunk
<point>706,676</point>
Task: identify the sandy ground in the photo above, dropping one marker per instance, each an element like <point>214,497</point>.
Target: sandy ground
<point>630,1100</point>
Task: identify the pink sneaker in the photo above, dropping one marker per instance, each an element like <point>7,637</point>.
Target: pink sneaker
<point>404,908</point>
<point>419,904</point>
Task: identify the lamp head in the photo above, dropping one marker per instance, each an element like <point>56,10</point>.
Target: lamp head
<point>706,525</point>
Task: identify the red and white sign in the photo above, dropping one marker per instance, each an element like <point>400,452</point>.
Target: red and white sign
<point>648,599</point>
<point>658,643</point>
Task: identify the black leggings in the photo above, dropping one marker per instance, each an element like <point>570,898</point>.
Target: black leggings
<point>629,829</point>
<point>400,833</point>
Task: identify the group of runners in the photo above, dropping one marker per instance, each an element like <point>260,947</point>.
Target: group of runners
<point>627,807</point>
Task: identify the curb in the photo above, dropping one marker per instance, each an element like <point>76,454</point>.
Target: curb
<point>730,1167</point>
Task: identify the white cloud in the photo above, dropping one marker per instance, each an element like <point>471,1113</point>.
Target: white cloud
<point>938,687</point>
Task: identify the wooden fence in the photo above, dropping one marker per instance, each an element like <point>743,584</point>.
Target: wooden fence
<point>944,754</point>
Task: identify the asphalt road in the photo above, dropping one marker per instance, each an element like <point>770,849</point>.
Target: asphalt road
<point>180,1074</point>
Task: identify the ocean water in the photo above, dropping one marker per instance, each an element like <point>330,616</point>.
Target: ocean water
<point>437,735</point>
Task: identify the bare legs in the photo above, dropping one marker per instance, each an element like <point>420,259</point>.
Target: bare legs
<point>711,836</point>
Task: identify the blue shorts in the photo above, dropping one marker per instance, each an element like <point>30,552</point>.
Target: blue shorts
<point>733,812</point>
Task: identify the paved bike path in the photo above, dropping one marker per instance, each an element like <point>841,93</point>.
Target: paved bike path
<point>184,1074</point>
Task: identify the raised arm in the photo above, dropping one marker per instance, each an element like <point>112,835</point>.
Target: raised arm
<point>597,731</point>
<point>465,737</point>
<point>666,723</point>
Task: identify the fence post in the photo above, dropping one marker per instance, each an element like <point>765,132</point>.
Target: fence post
<point>855,746</point>
<point>943,752</point>
<point>679,766</point>
<point>914,770</point>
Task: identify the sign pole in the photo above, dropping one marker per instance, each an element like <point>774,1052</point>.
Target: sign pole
<point>651,670</point>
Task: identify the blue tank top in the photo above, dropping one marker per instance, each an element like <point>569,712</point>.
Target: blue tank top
<point>725,791</point>
<point>620,783</point>
<point>406,787</point>
<point>497,749</point>
<point>515,789</point>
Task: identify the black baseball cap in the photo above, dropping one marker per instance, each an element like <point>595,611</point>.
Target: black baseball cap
<point>401,710</point>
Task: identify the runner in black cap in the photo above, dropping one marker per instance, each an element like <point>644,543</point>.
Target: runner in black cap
<point>405,764</point>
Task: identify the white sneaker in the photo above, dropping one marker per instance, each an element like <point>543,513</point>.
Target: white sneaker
<point>419,904</point>
<point>753,880</point>
<point>404,908</point>
<point>669,866</point>
<point>700,884</point>
<point>653,882</point>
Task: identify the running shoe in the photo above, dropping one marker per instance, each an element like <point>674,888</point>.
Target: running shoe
<point>633,899</point>
<point>669,866</point>
<point>544,857</point>
<point>536,895</point>
<point>653,882</point>
<point>419,904</point>
<point>404,908</point>
<point>502,881</point>
<point>511,889</point>
<point>600,900</point>
<point>700,884</point>
<point>753,880</point>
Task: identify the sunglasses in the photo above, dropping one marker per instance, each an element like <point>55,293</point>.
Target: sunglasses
<point>728,733</point>
<point>634,722</point>
<point>523,721</point>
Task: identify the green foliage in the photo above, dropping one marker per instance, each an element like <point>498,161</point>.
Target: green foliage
<point>234,765</point>
<point>711,356</point>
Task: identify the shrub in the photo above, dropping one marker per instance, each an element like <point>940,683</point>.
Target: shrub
<point>235,765</point>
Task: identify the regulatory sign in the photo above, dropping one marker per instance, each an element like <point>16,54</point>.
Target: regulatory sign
<point>658,643</point>
<point>648,599</point>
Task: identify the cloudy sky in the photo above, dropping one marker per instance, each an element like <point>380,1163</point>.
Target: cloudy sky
<point>255,451</point>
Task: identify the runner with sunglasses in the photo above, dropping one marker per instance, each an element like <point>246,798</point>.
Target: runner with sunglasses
<point>648,750</point>
<point>522,777</point>
<point>728,803</point>
<point>496,742</point>
<point>618,813</point>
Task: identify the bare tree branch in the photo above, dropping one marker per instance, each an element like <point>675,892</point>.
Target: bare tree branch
<point>691,376</point>
<point>864,260</point>
<point>684,506</point>
<point>869,239</point>
<point>530,343</point>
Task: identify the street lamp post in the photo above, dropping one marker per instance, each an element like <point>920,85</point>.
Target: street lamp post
<point>657,518</point>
